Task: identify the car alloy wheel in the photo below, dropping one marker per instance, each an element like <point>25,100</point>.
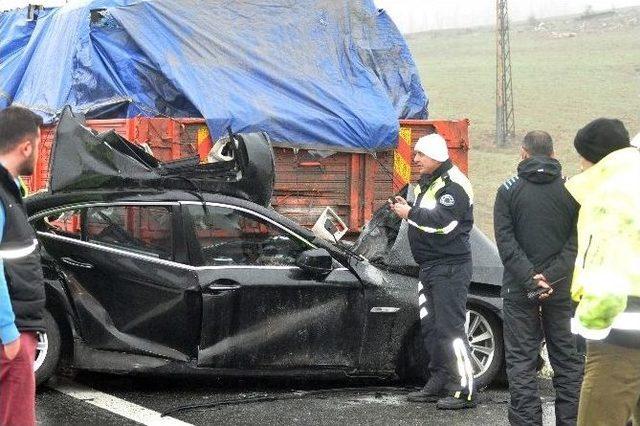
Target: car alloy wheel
<point>482,341</point>
<point>48,349</point>
<point>41,350</point>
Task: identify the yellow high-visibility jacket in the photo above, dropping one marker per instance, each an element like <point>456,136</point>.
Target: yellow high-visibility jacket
<point>606,279</point>
<point>24,189</point>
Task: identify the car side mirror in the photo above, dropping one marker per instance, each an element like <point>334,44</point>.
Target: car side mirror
<point>315,261</point>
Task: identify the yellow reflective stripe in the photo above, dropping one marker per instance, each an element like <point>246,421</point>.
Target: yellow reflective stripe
<point>450,227</point>
<point>24,189</point>
<point>578,328</point>
<point>436,186</point>
<point>458,177</point>
<point>428,203</point>
<point>19,252</point>
<point>455,175</point>
<point>460,363</point>
<point>416,191</point>
<point>627,321</point>
<point>464,366</point>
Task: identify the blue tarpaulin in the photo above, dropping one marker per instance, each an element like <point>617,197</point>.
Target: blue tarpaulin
<point>333,74</point>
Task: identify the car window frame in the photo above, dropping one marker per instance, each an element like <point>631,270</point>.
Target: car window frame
<point>183,235</point>
<point>59,212</point>
<point>195,256</point>
<point>140,250</point>
<point>178,256</point>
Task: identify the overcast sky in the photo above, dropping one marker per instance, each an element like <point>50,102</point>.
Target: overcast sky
<point>421,15</point>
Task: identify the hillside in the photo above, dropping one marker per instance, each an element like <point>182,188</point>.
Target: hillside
<point>566,71</point>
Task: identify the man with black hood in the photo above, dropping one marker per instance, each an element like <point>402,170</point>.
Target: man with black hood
<point>535,230</point>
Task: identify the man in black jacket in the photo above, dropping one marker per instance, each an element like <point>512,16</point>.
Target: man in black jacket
<point>534,222</point>
<point>20,269</point>
<point>440,221</point>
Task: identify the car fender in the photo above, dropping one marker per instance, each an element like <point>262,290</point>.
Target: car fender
<point>59,305</point>
<point>491,304</point>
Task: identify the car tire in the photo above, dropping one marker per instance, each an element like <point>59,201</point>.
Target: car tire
<point>488,324</point>
<point>414,361</point>
<point>48,350</point>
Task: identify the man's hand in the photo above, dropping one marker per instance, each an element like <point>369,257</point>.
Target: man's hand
<point>400,207</point>
<point>542,283</point>
<point>400,200</point>
<point>12,349</point>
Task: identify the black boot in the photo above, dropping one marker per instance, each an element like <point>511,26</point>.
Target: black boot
<point>431,392</point>
<point>452,402</point>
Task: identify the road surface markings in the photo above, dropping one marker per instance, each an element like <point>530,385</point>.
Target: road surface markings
<point>116,405</point>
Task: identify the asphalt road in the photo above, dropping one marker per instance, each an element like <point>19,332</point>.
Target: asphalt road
<point>110,400</point>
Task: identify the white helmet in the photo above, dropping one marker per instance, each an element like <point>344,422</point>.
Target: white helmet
<point>433,146</point>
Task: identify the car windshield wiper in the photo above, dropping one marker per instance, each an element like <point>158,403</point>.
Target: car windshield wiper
<point>347,249</point>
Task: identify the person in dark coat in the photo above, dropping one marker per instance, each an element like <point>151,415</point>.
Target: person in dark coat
<point>22,294</point>
<point>535,229</point>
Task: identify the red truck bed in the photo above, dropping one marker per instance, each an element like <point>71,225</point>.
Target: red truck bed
<point>353,184</point>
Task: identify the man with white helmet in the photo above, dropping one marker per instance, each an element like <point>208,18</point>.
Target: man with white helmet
<point>441,219</point>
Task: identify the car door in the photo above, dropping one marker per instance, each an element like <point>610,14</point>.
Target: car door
<point>129,292</point>
<point>261,311</point>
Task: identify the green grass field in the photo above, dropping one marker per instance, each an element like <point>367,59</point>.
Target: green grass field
<point>560,84</point>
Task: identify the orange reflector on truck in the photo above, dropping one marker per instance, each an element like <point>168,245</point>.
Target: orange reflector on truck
<point>203,142</point>
<point>402,160</point>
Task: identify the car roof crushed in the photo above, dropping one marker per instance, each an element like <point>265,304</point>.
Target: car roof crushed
<point>84,160</point>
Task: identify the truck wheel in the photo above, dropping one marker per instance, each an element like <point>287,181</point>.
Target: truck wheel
<point>48,350</point>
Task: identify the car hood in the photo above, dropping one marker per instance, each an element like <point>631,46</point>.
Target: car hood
<point>384,241</point>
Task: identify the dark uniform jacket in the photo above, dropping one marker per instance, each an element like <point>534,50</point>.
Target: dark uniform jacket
<point>441,218</point>
<point>21,258</point>
<point>535,227</point>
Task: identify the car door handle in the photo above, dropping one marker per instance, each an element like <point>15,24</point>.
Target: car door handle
<point>223,285</point>
<point>72,262</point>
<point>216,287</point>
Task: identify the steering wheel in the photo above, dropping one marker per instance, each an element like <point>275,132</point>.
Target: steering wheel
<point>222,249</point>
<point>115,231</point>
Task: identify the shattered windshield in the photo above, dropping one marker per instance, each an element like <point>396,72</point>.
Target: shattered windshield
<point>378,236</point>
<point>384,240</point>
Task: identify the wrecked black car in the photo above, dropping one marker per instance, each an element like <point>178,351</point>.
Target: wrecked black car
<point>173,269</point>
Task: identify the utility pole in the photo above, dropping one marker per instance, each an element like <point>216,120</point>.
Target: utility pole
<point>505,123</point>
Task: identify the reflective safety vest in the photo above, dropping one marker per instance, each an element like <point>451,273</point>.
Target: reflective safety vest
<point>430,198</point>
<point>606,279</point>
<point>441,217</point>
<point>24,189</point>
